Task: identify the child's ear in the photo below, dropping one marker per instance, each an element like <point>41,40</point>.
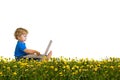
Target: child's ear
<point>18,37</point>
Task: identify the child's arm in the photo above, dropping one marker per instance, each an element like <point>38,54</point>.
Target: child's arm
<point>31,51</point>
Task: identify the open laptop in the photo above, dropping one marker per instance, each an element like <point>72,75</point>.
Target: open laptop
<point>46,51</point>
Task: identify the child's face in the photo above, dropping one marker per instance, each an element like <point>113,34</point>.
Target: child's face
<point>22,37</point>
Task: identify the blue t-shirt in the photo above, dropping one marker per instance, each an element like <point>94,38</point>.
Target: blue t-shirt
<point>19,50</point>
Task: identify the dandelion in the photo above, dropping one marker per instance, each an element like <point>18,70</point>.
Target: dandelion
<point>52,67</point>
<point>90,66</point>
<point>98,65</point>
<point>31,65</point>
<point>14,73</point>
<point>26,70</point>
<point>80,70</point>
<point>61,74</point>
<point>23,64</point>
<point>105,66</point>
<point>56,69</point>
<point>8,68</point>
<point>118,66</point>
<point>63,67</point>
<point>95,69</point>
<point>76,72</point>
<point>82,66</point>
<point>84,69</point>
<point>1,73</point>
<point>68,67</point>
<point>112,67</point>
<point>15,66</point>
<point>77,67</point>
<point>65,62</point>
<point>73,68</point>
<point>73,73</point>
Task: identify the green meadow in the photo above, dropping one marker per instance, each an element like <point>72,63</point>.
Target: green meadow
<point>60,69</point>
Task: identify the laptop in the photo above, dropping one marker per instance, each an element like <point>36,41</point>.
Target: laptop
<point>46,51</point>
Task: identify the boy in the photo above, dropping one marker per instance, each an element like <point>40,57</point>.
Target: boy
<point>21,51</point>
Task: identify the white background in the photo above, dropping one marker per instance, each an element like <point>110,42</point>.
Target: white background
<point>78,28</point>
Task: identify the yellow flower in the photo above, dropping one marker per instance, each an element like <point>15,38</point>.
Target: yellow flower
<point>80,70</point>
<point>82,66</point>
<point>84,69</point>
<point>118,66</point>
<point>14,73</point>
<point>65,62</point>
<point>63,67</point>
<point>1,73</point>
<point>15,66</point>
<point>56,69</point>
<point>26,69</point>
<point>105,66</point>
<point>30,65</point>
<point>98,65</point>
<point>90,66</point>
<point>52,67</point>
<point>73,68</point>
<point>61,74</point>
<point>24,64</point>
<point>68,67</point>
<point>76,72</point>
<point>112,67</point>
<point>8,68</point>
<point>95,69</point>
<point>73,73</point>
<point>77,67</point>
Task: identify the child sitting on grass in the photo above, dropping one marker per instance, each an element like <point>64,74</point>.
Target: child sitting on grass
<point>21,51</point>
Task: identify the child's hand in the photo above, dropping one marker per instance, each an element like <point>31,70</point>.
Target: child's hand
<point>38,53</point>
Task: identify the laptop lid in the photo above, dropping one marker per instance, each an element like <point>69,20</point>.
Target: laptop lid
<point>48,47</point>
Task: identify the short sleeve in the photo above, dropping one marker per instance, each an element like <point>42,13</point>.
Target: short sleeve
<point>22,46</point>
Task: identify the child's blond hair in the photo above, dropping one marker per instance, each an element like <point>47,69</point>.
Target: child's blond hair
<point>20,31</point>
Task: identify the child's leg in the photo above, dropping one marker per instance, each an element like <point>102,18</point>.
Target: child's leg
<point>39,57</point>
<point>32,56</point>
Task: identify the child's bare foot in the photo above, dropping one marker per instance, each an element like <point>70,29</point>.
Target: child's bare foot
<point>49,55</point>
